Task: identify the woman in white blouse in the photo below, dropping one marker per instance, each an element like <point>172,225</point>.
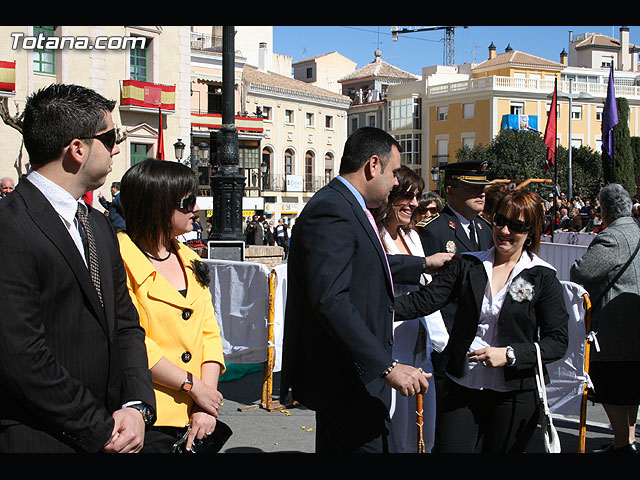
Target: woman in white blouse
<point>508,298</point>
<point>413,340</point>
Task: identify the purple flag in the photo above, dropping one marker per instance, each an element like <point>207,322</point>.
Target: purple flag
<point>610,117</point>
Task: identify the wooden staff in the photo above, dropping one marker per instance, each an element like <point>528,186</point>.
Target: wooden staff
<point>421,447</point>
<point>420,421</point>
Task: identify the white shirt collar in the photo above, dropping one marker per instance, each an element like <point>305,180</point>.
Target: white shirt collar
<point>61,200</point>
<point>527,260</point>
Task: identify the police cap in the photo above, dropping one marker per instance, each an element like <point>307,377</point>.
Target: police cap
<point>473,172</point>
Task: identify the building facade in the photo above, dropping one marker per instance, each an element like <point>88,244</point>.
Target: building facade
<point>469,104</point>
<point>144,68</point>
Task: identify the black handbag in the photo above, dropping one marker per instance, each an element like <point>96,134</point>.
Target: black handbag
<point>210,444</point>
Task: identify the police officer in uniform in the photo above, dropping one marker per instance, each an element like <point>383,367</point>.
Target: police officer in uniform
<point>458,228</point>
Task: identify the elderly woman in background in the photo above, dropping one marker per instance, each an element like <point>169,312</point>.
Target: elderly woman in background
<point>169,286</point>
<point>615,366</point>
<point>508,299</point>
<point>429,204</point>
<point>412,339</point>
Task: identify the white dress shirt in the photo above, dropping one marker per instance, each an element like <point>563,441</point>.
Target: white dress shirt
<point>63,203</point>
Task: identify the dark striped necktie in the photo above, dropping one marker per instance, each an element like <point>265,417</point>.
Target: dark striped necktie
<point>90,249</point>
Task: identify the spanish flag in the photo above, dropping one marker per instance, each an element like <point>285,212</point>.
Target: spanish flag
<point>7,76</point>
<point>149,95</point>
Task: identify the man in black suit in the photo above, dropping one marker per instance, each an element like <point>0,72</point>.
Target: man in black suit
<point>74,375</point>
<point>339,315</point>
<point>458,228</point>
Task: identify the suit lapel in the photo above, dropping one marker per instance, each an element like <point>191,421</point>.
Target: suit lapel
<point>478,279</point>
<point>48,221</point>
<point>366,225</point>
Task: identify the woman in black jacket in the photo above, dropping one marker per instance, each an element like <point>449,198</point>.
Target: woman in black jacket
<point>508,298</point>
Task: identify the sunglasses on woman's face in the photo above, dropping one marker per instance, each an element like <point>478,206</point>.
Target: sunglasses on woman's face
<point>107,138</point>
<point>188,203</point>
<point>517,226</point>
<point>431,210</point>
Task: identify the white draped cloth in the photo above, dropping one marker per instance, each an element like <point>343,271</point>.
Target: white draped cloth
<point>406,350</point>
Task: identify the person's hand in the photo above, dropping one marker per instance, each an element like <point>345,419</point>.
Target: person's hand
<point>438,261</point>
<point>490,357</point>
<point>128,432</point>
<point>208,398</point>
<point>99,194</point>
<point>202,425</point>
<point>408,380</point>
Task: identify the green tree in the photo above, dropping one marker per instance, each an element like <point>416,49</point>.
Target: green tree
<point>515,155</point>
<point>635,149</point>
<point>623,168</point>
<point>520,155</point>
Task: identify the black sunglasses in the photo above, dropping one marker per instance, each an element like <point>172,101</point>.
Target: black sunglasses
<point>188,203</point>
<point>517,226</point>
<point>107,138</point>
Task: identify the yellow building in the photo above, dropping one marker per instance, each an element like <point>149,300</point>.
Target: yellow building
<point>470,104</point>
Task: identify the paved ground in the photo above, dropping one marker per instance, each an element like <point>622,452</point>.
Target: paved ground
<point>257,430</point>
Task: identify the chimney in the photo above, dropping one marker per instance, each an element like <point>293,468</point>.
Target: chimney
<point>492,51</point>
<point>262,57</point>
<point>563,57</point>
<point>625,56</point>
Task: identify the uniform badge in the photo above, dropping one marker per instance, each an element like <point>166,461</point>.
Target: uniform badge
<point>451,247</point>
<point>452,224</point>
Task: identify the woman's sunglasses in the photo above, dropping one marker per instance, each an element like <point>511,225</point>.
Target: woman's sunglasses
<point>107,138</point>
<point>517,226</point>
<point>188,203</point>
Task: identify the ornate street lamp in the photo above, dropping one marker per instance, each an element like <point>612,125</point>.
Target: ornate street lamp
<point>227,184</point>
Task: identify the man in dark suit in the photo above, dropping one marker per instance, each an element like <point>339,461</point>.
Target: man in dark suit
<point>339,315</point>
<point>74,375</point>
<point>114,207</point>
<point>458,228</point>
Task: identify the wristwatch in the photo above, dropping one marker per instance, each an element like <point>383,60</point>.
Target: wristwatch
<point>187,385</point>
<point>511,356</point>
<point>148,415</point>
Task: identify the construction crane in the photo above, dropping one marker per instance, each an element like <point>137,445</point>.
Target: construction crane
<point>449,42</point>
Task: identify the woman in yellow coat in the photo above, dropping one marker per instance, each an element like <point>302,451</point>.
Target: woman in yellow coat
<point>169,286</point>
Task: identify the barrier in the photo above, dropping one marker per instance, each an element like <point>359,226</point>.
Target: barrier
<point>561,256</point>
<point>249,301</point>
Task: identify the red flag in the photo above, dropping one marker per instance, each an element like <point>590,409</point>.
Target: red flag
<point>550,130</point>
<point>160,153</point>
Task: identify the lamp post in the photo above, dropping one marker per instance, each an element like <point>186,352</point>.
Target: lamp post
<point>435,177</point>
<point>227,185</point>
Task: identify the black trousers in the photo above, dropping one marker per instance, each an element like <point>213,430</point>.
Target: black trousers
<point>161,439</point>
<point>484,421</point>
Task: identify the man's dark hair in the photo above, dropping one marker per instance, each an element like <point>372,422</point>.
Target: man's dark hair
<point>150,192</point>
<point>362,145</point>
<point>55,115</point>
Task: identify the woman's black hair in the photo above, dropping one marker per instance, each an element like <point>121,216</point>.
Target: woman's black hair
<point>150,192</point>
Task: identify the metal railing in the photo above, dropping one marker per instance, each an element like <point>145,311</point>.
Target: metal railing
<point>203,41</point>
<point>530,85</point>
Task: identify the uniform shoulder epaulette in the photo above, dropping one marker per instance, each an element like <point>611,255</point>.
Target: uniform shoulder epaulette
<point>427,221</point>
<point>486,220</point>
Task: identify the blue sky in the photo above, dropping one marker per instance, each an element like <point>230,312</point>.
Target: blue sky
<point>415,50</point>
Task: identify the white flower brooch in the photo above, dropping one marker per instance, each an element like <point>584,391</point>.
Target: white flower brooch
<point>521,290</point>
